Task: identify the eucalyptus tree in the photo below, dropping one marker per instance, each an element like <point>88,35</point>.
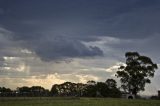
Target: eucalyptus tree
<point>136,73</point>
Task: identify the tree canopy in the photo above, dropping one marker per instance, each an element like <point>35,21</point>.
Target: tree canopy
<point>136,73</point>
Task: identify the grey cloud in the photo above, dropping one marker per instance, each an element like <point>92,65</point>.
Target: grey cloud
<point>62,48</point>
<point>147,46</point>
<point>47,47</point>
<point>56,47</point>
<point>85,18</point>
<point>1,11</point>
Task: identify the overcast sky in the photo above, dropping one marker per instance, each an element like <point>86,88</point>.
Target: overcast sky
<point>44,42</point>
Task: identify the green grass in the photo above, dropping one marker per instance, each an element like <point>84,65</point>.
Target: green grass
<point>75,102</point>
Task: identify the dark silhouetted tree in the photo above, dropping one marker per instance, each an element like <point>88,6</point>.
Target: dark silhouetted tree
<point>102,89</point>
<point>111,83</point>
<point>68,89</point>
<point>24,91</point>
<point>54,90</point>
<point>90,90</point>
<point>32,91</point>
<point>37,91</point>
<point>136,73</point>
<point>5,91</point>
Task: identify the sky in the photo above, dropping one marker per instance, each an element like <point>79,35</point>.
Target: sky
<point>46,42</point>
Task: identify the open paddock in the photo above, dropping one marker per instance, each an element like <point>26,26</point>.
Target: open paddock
<point>74,101</point>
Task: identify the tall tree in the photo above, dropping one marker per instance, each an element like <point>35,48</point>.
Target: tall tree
<point>136,73</point>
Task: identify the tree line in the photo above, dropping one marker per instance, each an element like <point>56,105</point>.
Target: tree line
<point>90,89</point>
<point>24,91</point>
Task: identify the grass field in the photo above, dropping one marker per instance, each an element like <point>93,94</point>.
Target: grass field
<point>75,102</point>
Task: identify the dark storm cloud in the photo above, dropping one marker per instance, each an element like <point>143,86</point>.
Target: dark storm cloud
<point>1,11</point>
<point>59,47</point>
<point>81,18</point>
<point>56,29</point>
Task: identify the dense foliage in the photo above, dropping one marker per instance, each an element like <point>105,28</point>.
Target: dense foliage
<point>91,89</point>
<point>136,73</point>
